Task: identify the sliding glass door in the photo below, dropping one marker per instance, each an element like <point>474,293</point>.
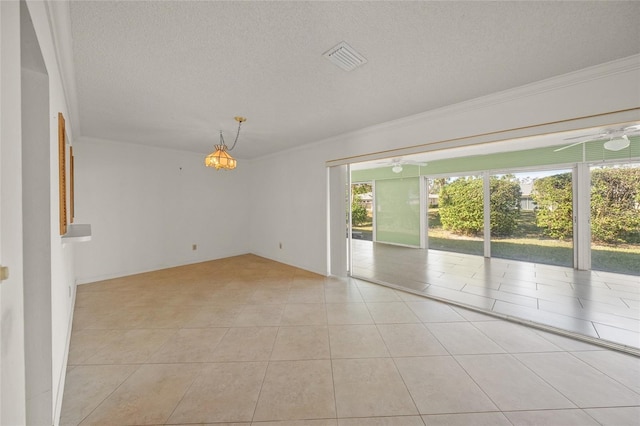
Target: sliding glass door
<point>545,205</point>
<point>455,214</point>
<point>532,216</point>
<point>615,218</point>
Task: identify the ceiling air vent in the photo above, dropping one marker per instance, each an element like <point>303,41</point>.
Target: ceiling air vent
<point>345,57</point>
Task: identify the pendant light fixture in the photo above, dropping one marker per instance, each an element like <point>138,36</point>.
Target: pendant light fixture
<point>220,158</point>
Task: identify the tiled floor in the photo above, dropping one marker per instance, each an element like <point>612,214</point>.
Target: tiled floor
<point>247,341</point>
<point>597,304</point>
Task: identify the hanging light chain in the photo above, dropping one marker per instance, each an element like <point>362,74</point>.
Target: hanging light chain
<point>240,120</point>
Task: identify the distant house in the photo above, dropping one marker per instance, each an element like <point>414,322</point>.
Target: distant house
<point>367,201</point>
<point>526,199</point>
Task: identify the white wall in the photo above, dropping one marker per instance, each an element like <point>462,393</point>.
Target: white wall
<point>291,186</point>
<point>62,256</point>
<point>36,231</point>
<point>12,362</point>
<point>290,191</point>
<point>147,207</point>
<point>61,266</point>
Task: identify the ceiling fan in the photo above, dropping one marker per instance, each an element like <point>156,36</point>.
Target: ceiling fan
<point>397,163</point>
<point>618,138</point>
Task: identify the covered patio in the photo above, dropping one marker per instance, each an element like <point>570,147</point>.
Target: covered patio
<point>592,305</point>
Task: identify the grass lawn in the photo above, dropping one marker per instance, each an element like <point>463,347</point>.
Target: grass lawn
<point>368,226</point>
<point>528,244</point>
<point>624,261</point>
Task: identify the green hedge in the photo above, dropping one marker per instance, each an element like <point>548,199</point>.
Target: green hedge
<point>461,205</point>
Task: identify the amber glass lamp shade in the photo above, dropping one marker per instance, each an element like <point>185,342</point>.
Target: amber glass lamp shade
<point>220,159</point>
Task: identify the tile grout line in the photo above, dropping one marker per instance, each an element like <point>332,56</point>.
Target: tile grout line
<point>515,356</point>
<point>395,365</point>
<point>266,370</point>
<point>195,378</point>
<point>601,372</point>
<point>112,392</point>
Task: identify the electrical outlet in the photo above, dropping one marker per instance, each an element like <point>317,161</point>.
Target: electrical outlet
<point>194,247</point>
<point>4,273</point>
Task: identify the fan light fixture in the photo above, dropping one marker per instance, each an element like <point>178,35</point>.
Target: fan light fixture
<point>618,138</point>
<point>616,144</point>
<point>397,168</point>
<point>220,158</point>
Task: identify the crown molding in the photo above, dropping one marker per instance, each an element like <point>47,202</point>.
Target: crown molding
<point>607,69</point>
<point>59,16</point>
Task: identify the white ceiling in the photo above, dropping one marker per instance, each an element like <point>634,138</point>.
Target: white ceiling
<point>174,73</point>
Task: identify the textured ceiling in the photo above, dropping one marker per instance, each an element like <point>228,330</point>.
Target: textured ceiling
<point>173,73</point>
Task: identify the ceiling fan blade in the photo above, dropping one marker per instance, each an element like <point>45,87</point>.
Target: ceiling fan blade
<point>569,146</point>
<point>592,136</point>
<point>415,163</point>
<point>384,163</point>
